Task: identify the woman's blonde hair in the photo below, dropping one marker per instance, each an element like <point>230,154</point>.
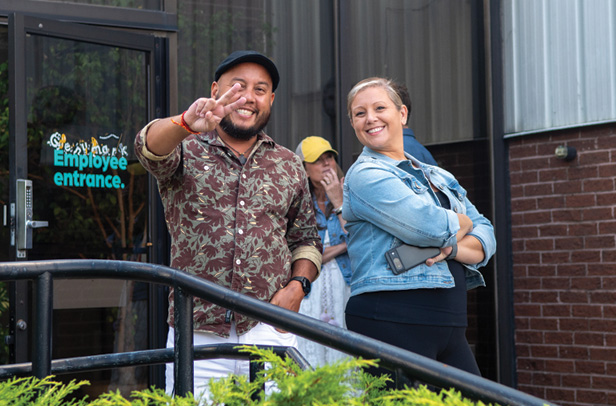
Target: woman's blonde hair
<point>386,84</point>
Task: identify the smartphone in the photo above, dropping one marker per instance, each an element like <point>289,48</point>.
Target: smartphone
<point>405,257</point>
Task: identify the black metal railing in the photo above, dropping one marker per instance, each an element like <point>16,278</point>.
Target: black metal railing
<point>42,273</point>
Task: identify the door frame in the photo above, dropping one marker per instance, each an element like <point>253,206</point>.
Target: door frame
<point>156,48</point>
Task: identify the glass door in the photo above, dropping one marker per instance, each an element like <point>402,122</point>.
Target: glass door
<point>79,96</point>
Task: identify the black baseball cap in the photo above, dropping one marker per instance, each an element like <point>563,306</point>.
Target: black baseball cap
<point>238,57</point>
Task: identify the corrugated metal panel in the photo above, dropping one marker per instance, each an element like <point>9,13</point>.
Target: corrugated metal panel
<point>559,63</point>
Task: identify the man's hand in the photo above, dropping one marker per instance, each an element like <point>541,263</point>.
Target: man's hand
<point>290,297</point>
<point>206,112</point>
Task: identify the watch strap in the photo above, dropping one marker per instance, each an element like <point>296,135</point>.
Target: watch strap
<point>304,281</point>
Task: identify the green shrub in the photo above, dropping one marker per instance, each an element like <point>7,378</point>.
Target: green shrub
<point>342,383</point>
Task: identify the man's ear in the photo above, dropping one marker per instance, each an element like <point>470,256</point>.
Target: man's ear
<point>214,90</point>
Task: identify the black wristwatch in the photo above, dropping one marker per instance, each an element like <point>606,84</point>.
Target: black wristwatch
<point>304,281</point>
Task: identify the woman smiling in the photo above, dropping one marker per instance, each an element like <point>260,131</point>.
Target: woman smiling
<point>390,199</point>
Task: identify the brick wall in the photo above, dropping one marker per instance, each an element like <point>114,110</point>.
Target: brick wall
<point>563,223</point>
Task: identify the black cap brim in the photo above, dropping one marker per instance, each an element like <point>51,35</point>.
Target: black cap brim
<point>238,57</point>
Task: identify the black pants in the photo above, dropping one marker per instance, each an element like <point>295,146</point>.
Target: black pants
<point>444,344</point>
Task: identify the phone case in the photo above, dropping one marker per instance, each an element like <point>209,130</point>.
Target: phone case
<point>405,257</point>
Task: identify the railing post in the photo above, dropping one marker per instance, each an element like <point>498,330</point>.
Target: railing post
<point>43,316</point>
<point>183,354</point>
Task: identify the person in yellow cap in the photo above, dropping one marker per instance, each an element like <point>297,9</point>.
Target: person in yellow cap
<point>331,291</point>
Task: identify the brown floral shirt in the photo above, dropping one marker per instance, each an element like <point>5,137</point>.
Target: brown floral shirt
<point>240,227</point>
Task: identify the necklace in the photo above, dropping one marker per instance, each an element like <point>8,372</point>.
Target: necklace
<point>240,155</point>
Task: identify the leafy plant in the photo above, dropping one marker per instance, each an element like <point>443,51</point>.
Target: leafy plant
<point>342,383</point>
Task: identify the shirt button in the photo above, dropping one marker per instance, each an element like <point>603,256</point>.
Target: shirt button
<point>207,168</point>
<point>240,231</point>
<point>242,203</point>
<point>243,176</point>
<point>237,261</point>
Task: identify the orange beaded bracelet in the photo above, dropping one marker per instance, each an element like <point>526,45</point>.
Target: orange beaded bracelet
<point>184,124</point>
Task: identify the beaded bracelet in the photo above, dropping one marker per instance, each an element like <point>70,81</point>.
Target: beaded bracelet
<point>184,125</point>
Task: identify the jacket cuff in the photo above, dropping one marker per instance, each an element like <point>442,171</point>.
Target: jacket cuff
<point>144,149</point>
<point>310,253</point>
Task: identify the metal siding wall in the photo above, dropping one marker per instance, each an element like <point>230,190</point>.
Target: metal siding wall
<point>559,63</point>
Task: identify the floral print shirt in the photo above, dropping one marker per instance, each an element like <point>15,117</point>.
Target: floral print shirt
<point>239,226</point>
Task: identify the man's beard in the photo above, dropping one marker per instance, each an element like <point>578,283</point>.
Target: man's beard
<point>243,133</point>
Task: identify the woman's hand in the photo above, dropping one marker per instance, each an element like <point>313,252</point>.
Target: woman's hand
<point>470,251</point>
<point>333,187</point>
<point>332,252</point>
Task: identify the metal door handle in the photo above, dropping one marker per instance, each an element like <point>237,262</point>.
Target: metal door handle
<point>37,224</point>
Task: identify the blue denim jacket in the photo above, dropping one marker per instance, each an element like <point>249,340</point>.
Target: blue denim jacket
<point>337,235</point>
<point>384,206</point>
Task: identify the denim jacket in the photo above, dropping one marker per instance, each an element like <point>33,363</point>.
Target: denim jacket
<point>337,235</point>
<point>384,206</point>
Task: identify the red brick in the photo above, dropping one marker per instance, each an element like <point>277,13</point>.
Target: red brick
<point>586,256</point>
<point>528,310</point>
<point>539,189</point>
<point>555,283</point>
<point>523,231</point>
<point>557,310</point>
<point>539,244</point>
<point>538,217</point>
<point>557,257</point>
<point>565,338</point>
<point>568,187</point>
<point>585,338</point>
<point>531,337</point>
<point>587,283</point>
<point>546,379</point>
<point>543,296</point>
<point>571,270</point>
<point>526,258</point>
<point>560,395</point>
<point>586,200</point>
<point>544,351</point>
<point>597,213</point>
<point>591,397</point>
<point>607,170</point>
<point>556,230</point>
<point>587,172</point>
<point>608,227</point>
<point>592,158</point>
<point>604,382</point>
<point>569,243</point>
<point>581,310</point>
<point>541,270</point>
<point>550,175</point>
<point>521,151</point>
<point>516,192</point>
<point>574,324</point>
<point>604,296</point>
<point>605,199</point>
<point>573,352</point>
<point>551,202</point>
<point>598,185</point>
<point>544,324</point>
<point>567,215</point>
<point>583,229</point>
<point>603,354</point>
<point>530,364</point>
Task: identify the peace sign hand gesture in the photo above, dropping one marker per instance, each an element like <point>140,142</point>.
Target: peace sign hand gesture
<point>205,113</point>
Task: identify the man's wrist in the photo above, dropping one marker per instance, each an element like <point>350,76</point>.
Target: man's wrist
<point>305,282</point>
